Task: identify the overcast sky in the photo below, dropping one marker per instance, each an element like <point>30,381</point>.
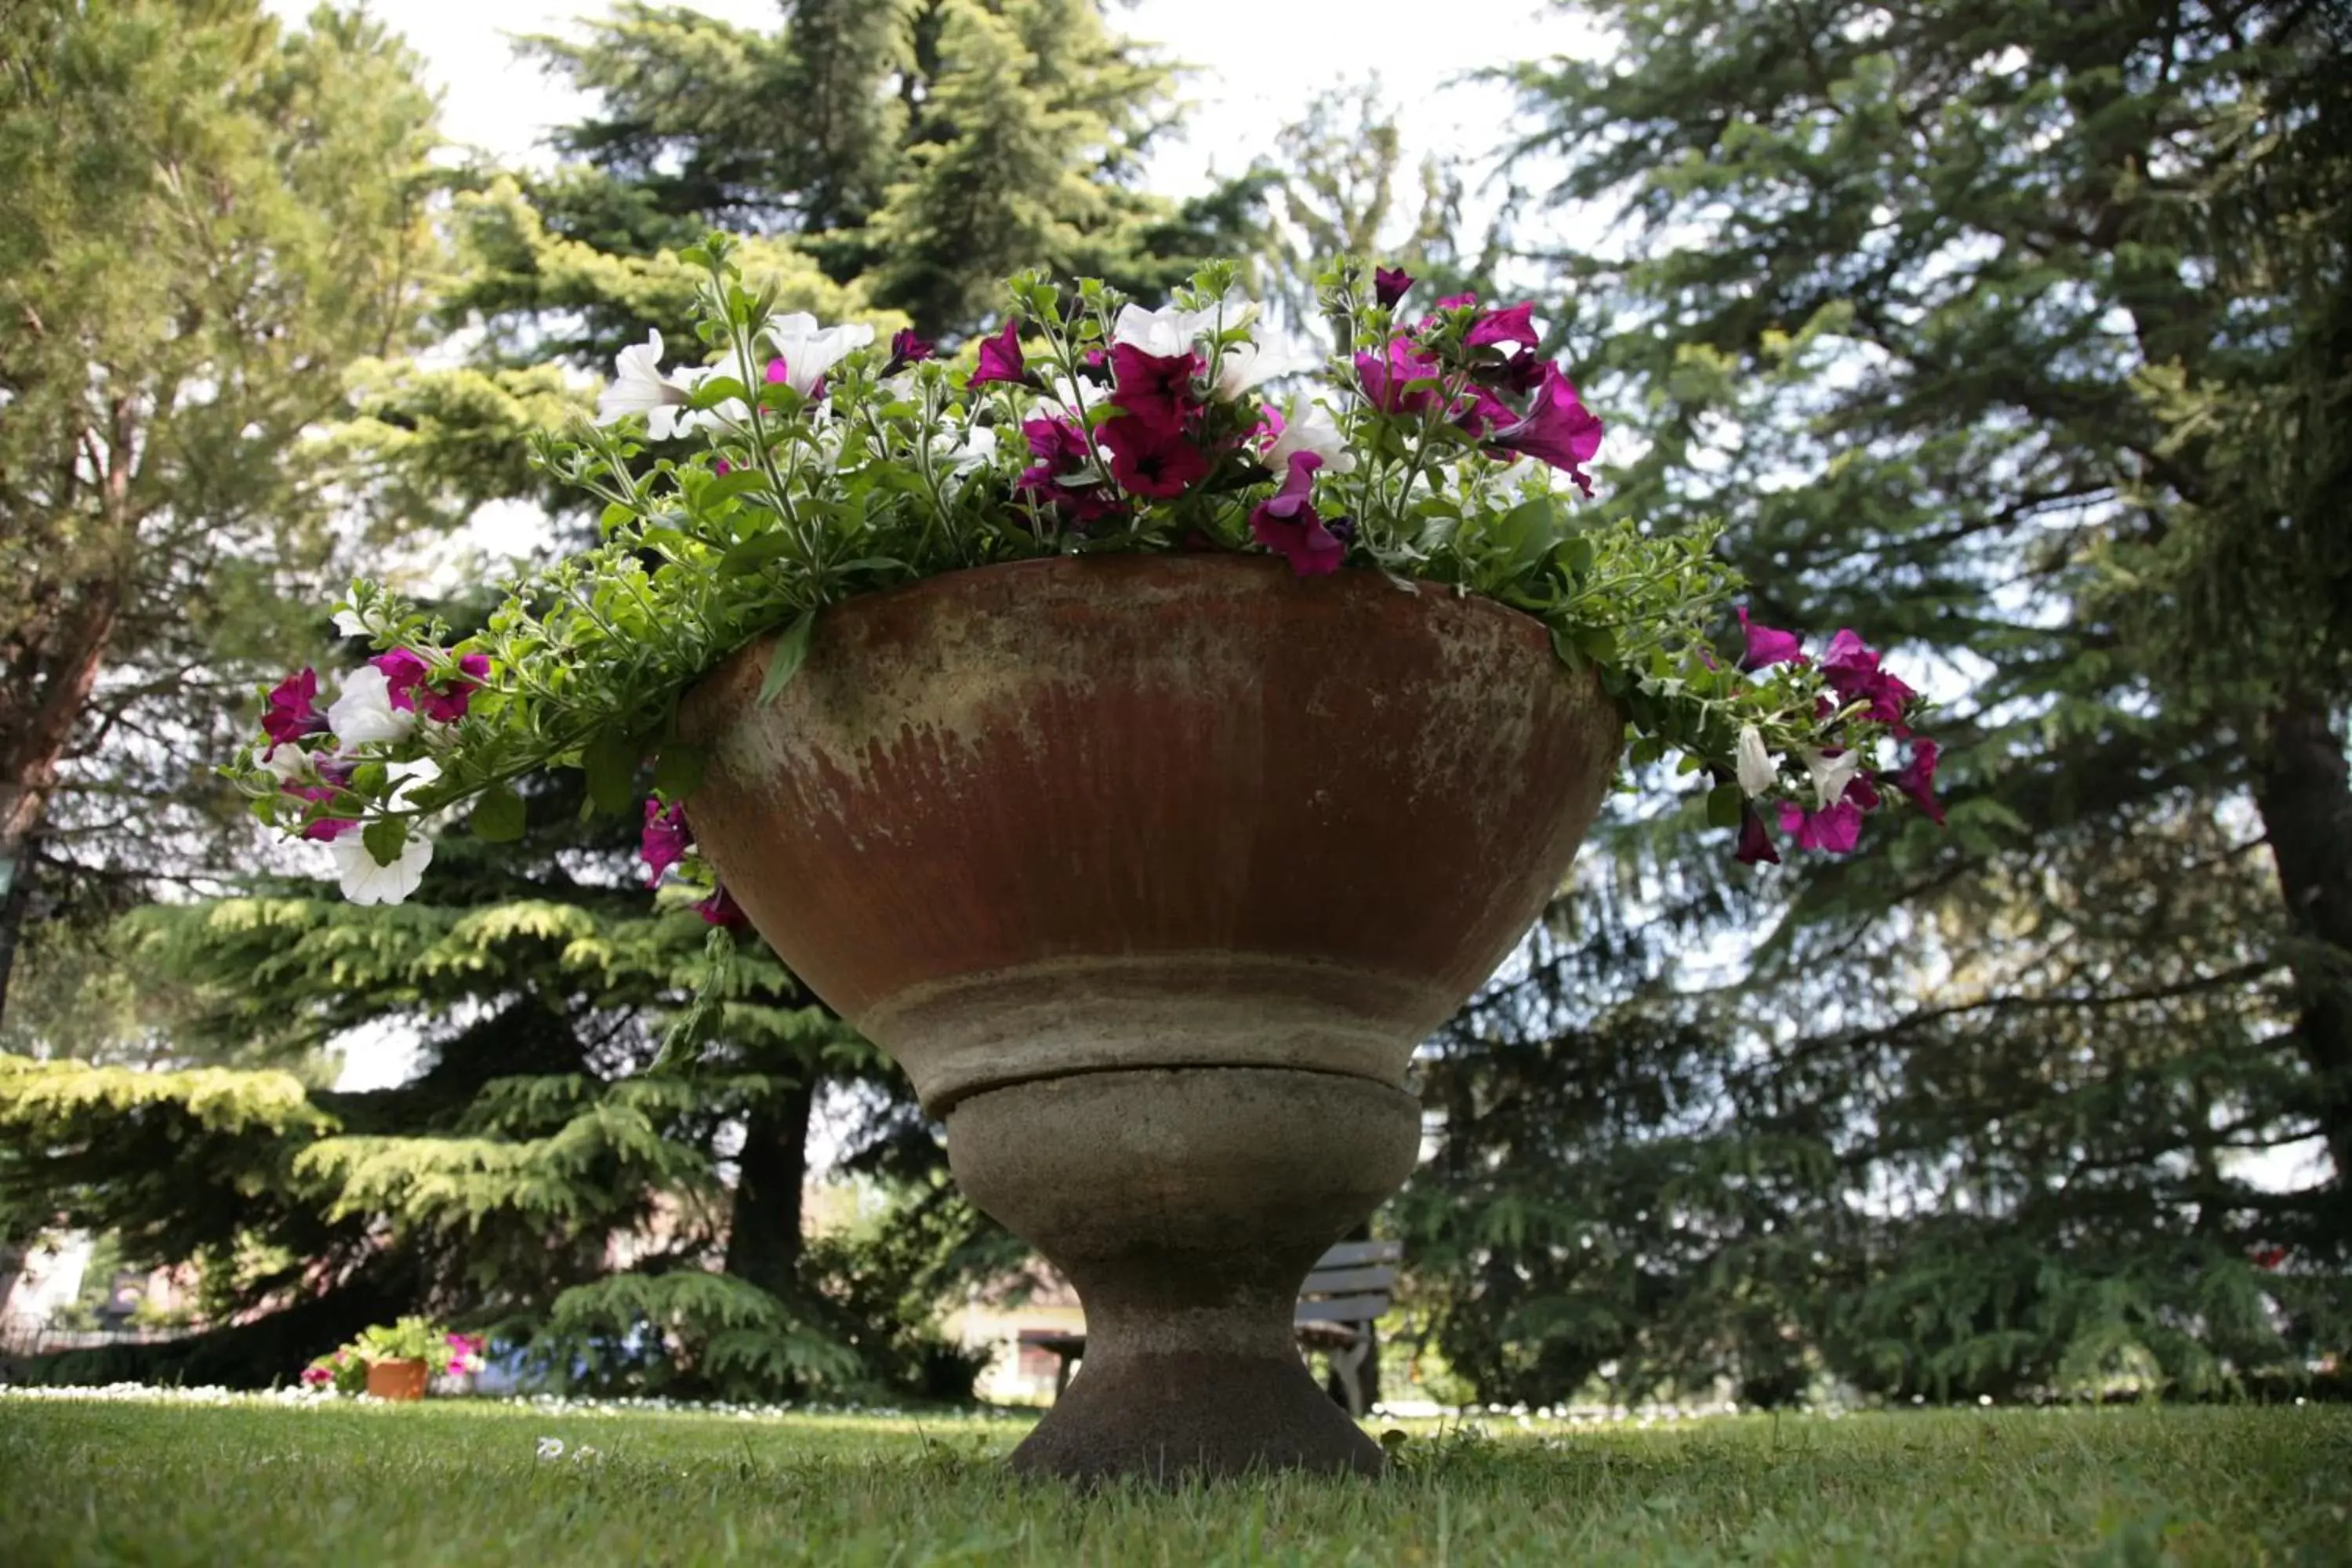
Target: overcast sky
<point>1259,61</point>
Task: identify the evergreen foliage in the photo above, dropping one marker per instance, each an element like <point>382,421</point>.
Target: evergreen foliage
<point>1938,309</point>
<point>209,219</point>
<point>636,1221</point>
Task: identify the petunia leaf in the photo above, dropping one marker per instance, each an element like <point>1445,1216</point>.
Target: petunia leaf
<point>385,837</point>
<point>498,817</point>
<point>790,651</point>
<point>610,761</point>
<point>678,769</point>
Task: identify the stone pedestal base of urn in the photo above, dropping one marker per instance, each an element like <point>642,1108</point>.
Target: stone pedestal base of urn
<point>1152,872</point>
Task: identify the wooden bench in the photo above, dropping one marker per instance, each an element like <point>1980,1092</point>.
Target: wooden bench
<point>1348,1290</point>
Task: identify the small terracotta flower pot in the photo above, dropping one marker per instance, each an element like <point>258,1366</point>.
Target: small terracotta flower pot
<point>397,1379</point>
<point>1152,872</point>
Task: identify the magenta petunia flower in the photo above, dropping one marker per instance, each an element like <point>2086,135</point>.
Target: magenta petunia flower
<point>1522,373</point>
<point>292,711</point>
<point>665,839</point>
<point>1481,414</point>
<point>1149,460</point>
<point>1268,429</point>
<point>1286,524</point>
<point>722,910</point>
<point>1755,840</point>
<point>1001,357</point>
<point>1558,429</point>
<point>1836,829</point>
<point>906,349</point>
<point>1155,388</point>
<point>1057,443</point>
<point>1854,674</point>
<point>1512,324</point>
<point>1918,779</point>
<point>404,673</point>
<point>1387,376</point>
<point>1458,301</point>
<point>1766,647</point>
<point>324,829</point>
<point>1060,448</point>
<point>1389,285</point>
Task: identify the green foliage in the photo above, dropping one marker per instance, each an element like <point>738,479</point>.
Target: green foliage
<point>1952,316</point>
<point>918,150</point>
<point>209,221</point>
<point>686,1332</point>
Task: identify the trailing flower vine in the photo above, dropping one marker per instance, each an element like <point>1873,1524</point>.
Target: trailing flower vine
<point>801,465</point>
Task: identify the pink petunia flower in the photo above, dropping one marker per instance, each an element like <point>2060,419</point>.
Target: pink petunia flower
<point>1766,647</point>
<point>406,673</point>
<point>1387,377</point>
<point>1512,324</point>
<point>1836,829</point>
<point>1286,524</point>
<point>1558,429</point>
<point>1853,673</point>
<point>293,712</point>
<point>1001,357</point>
<point>665,839</point>
<point>1154,388</point>
<point>1149,460</point>
<point>1918,779</point>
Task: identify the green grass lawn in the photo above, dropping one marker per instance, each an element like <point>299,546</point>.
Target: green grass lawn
<point>453,1482</point>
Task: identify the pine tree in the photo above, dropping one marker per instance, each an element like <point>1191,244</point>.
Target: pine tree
<point>1936,308</point>
<point>547,1124</point>
<point>208,222</point>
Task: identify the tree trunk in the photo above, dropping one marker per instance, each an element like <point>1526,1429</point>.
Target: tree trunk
<point>46,686</point>
<point>15,894</point>
<point>2304,791</point>
<point>763,1239</point>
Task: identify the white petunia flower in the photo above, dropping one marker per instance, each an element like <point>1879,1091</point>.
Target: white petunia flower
<point>728,416</point>
<point>286,762</point>
<point>364,879</point>
<point>1244,365</point>
<point>1757,771</point>
<point>639,386</point>
<point>364,713</point>
<point>977,446</point>
<point>1308,427</point>
<point>349,625</point>
<point>809,351</point>
<point>1172,330</point>
<point>367,881</point>
<point>1832,775</point>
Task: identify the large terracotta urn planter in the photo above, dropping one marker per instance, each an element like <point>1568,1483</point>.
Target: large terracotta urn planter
<point>1152,872</point>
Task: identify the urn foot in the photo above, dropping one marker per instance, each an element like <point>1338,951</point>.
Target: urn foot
<point>1187,1206</point>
